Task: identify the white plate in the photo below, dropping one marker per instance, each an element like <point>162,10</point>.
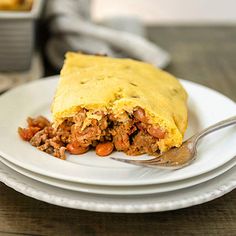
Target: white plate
<point>122,190</point>
<point>127,204</point>
<point>206,107</point>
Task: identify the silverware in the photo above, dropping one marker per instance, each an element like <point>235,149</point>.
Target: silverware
<point>184,155</point>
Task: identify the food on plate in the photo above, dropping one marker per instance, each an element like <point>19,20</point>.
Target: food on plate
<point>16,5</point>
<point>111,104</point>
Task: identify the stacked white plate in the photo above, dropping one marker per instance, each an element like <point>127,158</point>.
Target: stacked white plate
<point>101,184</point>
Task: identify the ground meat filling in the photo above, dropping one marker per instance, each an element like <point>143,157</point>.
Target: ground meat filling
<point>132,135</point>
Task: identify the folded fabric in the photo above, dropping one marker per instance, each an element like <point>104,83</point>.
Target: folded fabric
<point>72,30</point>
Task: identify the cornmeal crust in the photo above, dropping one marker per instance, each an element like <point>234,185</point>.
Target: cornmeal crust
<point>118,87</point>
<point>16,5</point>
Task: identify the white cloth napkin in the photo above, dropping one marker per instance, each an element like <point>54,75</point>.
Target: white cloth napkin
<point>72,30</point>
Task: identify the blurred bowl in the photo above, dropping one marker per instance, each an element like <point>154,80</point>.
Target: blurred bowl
<point>17,37</point>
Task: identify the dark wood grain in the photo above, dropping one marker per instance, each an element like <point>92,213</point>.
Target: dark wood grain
<point>206,55</point>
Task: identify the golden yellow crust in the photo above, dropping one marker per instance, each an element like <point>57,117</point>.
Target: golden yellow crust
<point>16,5</point>
<point>101,83</point>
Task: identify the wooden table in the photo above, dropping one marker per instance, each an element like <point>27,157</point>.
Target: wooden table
<point>206,55</point>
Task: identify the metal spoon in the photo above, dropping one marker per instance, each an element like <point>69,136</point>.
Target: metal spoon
<point>184,155</point>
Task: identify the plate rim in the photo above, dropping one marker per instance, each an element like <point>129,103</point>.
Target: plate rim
<point>204,178</point>
<point>26,188</point>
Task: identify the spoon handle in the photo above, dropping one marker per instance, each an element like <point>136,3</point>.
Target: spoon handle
<point>217,126</point>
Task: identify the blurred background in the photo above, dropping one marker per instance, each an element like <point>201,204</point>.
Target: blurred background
<point>166,12</point>
<point>193,39</point>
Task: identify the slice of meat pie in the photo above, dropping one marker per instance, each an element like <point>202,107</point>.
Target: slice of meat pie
<point>119,104</point>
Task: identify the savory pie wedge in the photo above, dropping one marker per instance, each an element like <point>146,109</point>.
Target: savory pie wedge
<point>115,104</point>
